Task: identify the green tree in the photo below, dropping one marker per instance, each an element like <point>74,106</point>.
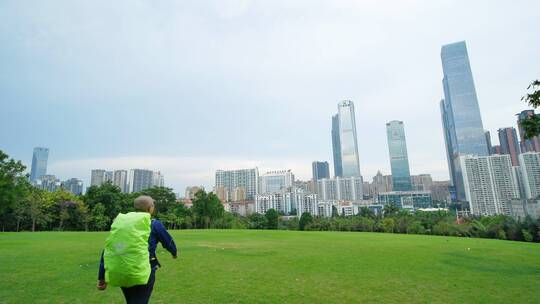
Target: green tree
<point>388,225</point>
<point>390,210</point>
<point>531,125</point>
<point>165,199</point>
<point>272,219</point>
<point>257,221</point>
<point>99,219</point>
<point>40,204</point>
<point>305,219</point>
<point>207,208</point>
<point>111,197</point>
<point>366,212</point>
<point>13,188</point>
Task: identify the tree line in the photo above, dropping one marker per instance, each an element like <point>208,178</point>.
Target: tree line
<point>24,207</point>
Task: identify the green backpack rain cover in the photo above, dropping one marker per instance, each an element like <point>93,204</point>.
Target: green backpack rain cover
<point>126,257</point>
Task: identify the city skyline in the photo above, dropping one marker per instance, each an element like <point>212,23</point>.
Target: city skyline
<point>172,90</point>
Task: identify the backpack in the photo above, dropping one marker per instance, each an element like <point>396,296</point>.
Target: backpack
<point>126,257</point>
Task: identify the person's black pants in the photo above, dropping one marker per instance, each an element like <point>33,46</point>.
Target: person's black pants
<point>140,294</point>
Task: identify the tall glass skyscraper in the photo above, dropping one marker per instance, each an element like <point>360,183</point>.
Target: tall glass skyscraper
<point>462,124</point>
<point>336,147</point>
<point>39,163</point>
<point>344,141</point>
<point>399,161</point>
<point>320,170</point>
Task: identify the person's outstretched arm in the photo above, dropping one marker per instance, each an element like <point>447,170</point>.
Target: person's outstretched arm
<point>164,238</point>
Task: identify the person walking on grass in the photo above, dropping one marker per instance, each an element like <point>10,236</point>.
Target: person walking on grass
<point>129,259</point>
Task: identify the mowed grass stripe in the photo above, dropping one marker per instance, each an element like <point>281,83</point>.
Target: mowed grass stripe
<point>249,266</point>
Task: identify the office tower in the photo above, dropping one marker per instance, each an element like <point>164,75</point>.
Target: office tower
<point>39,163</point>
<point>489,183</point>
<point>336,146</point>
<point>509,144</point>
<point>73,185</point>
<point>276,181</point>
<point>140,179</point>
<point>529,163</point>
<point>344,141</point>
<point>320,170</point>
<point>497,150</point>
<point>462,123</point>
<point>340,188</point>
<point>527,145</point>
<point>421,182</point>
<point>244,178</point>
<point>399,161</point>
<point>120,179</point>
<point>488,142</point>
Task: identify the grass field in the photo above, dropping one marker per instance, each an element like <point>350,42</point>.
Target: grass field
<point>246,266</point>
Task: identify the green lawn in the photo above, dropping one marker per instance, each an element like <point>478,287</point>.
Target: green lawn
<point>246,266</point>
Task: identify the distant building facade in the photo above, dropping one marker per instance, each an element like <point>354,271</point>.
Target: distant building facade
<point>140,179</point>
<point>509,144</point>
<point>527,145</point>
<point>399,161</point>
<point>276,181</point>
<point>247,179</point>
<point>73,185</point>
<point>406,199</point>
<point>345,142</point>
<point>530,174</point>
<point>320,170</point>
<point>39,163</point>
<point>489,183</point>
<point>340,188</point>
<point>462,123</point>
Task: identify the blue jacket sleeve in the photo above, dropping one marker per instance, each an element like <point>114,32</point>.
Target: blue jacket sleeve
<point>164,237</point>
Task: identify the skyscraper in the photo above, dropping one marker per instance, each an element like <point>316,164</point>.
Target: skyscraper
<point>344,141</point>
<point>336,146</point>
<point>320,170</point>
<point>462,123</point>
<point>509,144</point>
<point>97,177</point>
<point>527,145</point>
<point>39,163</point>
<point>399,161</point>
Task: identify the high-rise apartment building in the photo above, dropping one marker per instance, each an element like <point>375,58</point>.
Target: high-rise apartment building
<point>529,163</point>
<point>99,176</point>
<point>399,161</point>
<point>39,163</point>
<point>340,188</point>
<point>320,170</point>
<point>243,178</point>
<point>422,182</point>
<point>140,179</point>
<point>381,183</point>
<point>191,191</point>
<point>157,179</point>
<point>276,181</point>
<point>462,123</point>
<point>489,183</point>
<point>509,144</point>
<point>120,179</point>
<point>344,141</point>
<point>281,202</point>
<point>527,145</point>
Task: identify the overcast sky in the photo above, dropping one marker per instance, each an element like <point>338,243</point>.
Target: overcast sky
<point>188,87</point>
